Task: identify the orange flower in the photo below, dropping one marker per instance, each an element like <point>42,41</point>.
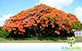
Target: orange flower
<point>63,26</point>
<point>43,25</point>
<point>40,27</point>
<point>46,22</point>
<point>26,25</point>
<point>24,22</point>
<point>60,25</point>
<point>60,28</point>
<point>68,32</point>
<point>14,28</point>
<point>53,26</point>
<point>9,30</point>
<point>32,21</point>
<point>57,32</point>
<point>15,31</point>
<point>23,30</point>
<point>35,24</point>
<point>38,21</point>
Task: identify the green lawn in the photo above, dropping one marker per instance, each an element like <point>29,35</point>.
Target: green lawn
<point>79,39</point>
<point>4,40</point>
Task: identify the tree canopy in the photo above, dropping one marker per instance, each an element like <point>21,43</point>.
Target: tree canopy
<point>41,17</point>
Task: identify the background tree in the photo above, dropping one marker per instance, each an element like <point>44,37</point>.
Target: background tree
<point>71,40</point>
<point>6,21</point>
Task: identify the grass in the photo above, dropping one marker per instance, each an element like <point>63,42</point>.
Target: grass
<point>35,40</point>
<point>78,39</point>
<point>30,40</point>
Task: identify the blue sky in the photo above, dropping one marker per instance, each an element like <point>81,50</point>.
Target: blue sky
<point>12,7</point>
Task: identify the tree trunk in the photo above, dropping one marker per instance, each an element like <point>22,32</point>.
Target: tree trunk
<point>70,45</point>
<point>40,32</point>
<point>35,31</point>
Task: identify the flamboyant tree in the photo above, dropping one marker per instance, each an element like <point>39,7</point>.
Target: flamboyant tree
<point>42,16</point>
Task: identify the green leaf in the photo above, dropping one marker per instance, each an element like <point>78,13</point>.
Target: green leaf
<point>44,32</point>
<point>14,21</point>
<point>62,19</point>
<point>61,15</point>
<point>59,23</point>
<point>36,27</point>
<point>72,23</point>
<point>50,19</point>
<point>75,26</point>
<point>48,16</point>
<point>67,19</point>
<point>45,19</point>
<point>53,23</point>
<point>56,14</point>
<point>42,23</point>
<point>29,27</point>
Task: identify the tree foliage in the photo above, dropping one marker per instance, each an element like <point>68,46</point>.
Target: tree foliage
<point>4,34</point>
<point>42,20</point>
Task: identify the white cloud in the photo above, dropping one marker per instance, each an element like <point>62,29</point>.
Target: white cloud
<point>56,3</point>
<point>78,12</point>
<point>2,19</point>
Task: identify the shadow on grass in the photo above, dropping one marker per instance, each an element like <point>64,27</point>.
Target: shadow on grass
<point>38,38</point>
<point>33,40</point>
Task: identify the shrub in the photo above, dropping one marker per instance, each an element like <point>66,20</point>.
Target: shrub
<point>71,40</point>
<point>4,34</point>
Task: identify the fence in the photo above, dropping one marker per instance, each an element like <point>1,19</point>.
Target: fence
<point>78,33</point>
